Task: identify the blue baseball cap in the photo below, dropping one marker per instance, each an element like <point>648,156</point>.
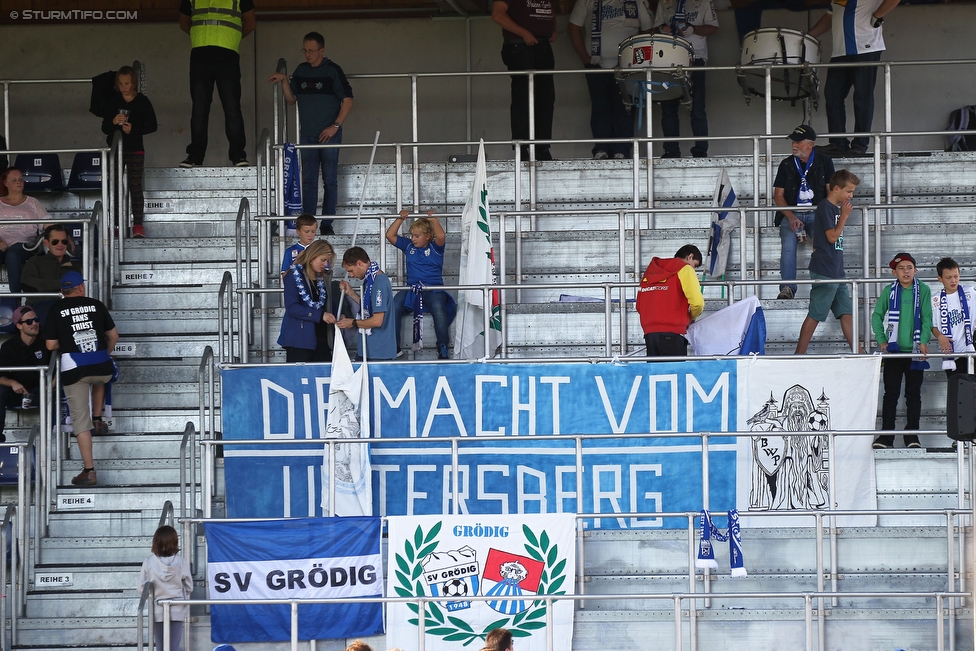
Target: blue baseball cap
<point>71,280</point>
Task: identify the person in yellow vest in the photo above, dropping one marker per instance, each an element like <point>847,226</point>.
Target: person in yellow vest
<point>216,28</point>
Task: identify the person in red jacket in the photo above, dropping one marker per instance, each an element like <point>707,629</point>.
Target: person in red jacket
<point>669,298</point>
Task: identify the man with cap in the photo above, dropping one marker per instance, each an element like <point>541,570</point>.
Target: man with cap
<point>25,350</point>
<point>82,330</point>
<point>801,180</point>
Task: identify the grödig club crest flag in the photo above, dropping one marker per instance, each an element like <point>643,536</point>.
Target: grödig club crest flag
<point>307,558</point>
<point>487,572</point>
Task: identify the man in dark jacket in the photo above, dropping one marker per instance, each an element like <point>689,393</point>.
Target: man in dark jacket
<point>801,180</point>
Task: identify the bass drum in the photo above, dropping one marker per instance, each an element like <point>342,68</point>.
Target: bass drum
<point>780,46</point>
<point>668,56</point>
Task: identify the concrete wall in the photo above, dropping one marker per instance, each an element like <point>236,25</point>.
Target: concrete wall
<point>56,115</point>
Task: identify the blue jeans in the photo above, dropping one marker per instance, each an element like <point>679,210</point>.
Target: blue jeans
<point>838,86</point>
<point>787,256</point>
<point>328,159</point>
<point>441,308</point>
<point>699,121</point>
<point>15,257</point>
<point>608,117</point>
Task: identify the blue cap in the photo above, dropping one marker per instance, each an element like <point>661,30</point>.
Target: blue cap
<point>224,647</point>
<point>71,280</point>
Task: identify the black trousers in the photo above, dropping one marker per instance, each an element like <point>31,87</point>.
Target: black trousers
<point>519,56</point>
<point>215,66</point>
<point>665,344</point>
<point>891,375</point>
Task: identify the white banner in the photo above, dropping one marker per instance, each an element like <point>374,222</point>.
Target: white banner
<point>302,578</point>
<point>779,472</point>
<point>348,394</point>
<point>494,555</point>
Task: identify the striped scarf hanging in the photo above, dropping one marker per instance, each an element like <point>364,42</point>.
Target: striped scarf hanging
<point>706,552</point>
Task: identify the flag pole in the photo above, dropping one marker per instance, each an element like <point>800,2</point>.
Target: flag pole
<point>355,231</point>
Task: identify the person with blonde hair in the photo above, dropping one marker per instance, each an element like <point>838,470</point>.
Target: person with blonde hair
<point>359,645</point>
<point>304,334</point>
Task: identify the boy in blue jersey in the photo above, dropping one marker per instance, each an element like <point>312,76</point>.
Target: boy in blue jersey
<point>324,101</point>
<point>423,253</point>
<point>371,325</point>
<point>306,226</point>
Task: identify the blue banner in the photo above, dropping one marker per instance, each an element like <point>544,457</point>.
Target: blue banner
<point>310,558</point>
<point>543,401</point>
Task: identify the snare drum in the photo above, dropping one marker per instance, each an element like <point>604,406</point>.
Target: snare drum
<point>780,45</point>
<point>662,53</point>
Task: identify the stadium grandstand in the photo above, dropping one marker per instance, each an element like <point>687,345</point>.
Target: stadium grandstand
<point>544,475</point>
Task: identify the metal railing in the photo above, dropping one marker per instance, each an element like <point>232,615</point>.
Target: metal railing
<point>882,137</point>
<point>957,522</point>
<point>614,343</point>
<point>680,612</point>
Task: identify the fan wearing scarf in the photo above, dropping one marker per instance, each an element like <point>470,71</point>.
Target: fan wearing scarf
<point>423,255</point>
<point>304,332</point>
<point>908,326</point>
<point>380,332</point>
<point>952,323</point>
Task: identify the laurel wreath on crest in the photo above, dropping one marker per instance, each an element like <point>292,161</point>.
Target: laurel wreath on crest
<point>409,583</point>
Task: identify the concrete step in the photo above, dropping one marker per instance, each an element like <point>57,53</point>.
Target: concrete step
<point>91,633</point>
<point>125,498</point>
<point>91,577</point>
<point>148,274</point>
<point>182,248</point>
<point>166,322</point>
<point>132,473</point>
<point>131,522</point>
<point>188,297</point>
<point>181,347</point>
<point>91,603</point>
<point>158,445</point>
<point>860,629</point>
<point>137,370</point>
<point>163,395</point>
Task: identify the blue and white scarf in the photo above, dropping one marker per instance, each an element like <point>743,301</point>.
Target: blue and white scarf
<point>679,18</point>
<point>415,300</point>
<point>299,274</point>
<point>366,306</point>
<point>804,196</point>
<point>293,183</point>
<point>596,29</point>
<point>894,314</point>
<point>706,552</point>
<point>946,328</point>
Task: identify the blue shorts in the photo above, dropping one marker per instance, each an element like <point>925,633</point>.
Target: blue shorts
<point>828,298</point>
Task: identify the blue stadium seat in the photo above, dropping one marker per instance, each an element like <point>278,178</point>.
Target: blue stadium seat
<point>42,172</point>
<point>86,172</point>
<point>8,466</point>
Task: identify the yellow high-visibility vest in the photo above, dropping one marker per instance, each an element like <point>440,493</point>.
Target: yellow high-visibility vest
<point>216,22</point>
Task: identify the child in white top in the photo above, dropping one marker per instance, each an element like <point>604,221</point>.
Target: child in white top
<point>170,575</point>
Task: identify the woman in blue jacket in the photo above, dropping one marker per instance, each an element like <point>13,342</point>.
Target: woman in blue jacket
<point>305,331</point>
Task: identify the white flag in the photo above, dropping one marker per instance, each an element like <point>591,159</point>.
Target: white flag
<point>723,223</point>
<point>348,418</point>
<point>477,268</point>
